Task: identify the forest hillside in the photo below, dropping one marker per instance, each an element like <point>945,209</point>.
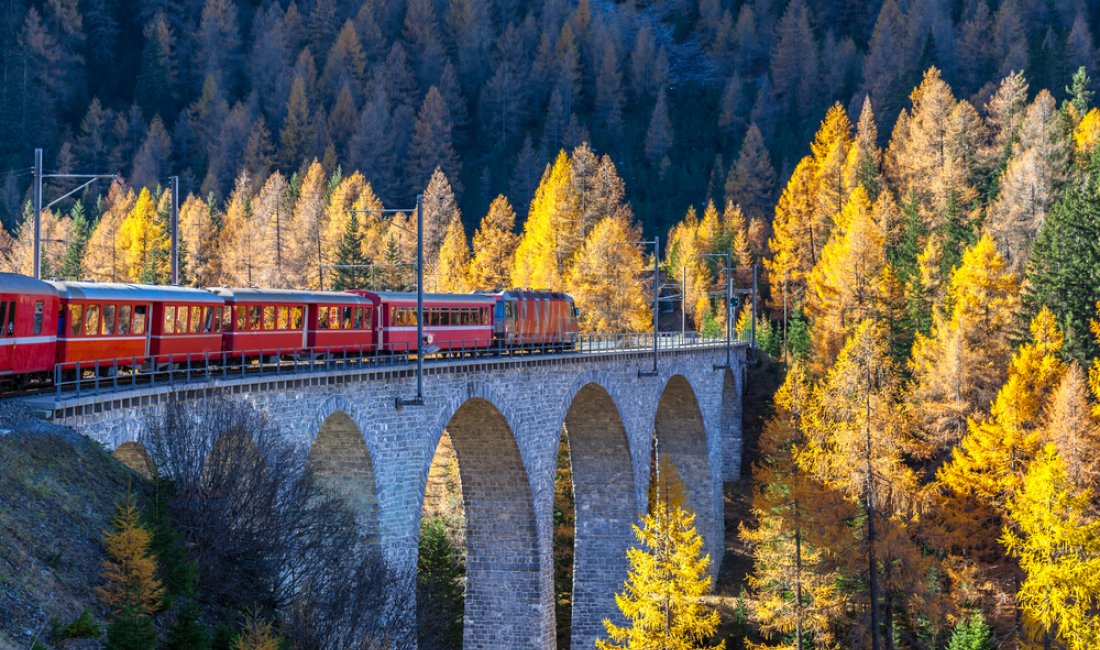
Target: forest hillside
<point>684,95</point>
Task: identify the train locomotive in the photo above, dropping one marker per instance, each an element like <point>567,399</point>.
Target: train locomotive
<point>48,325</point>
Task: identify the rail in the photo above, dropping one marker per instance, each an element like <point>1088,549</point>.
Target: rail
<point>116,375</point>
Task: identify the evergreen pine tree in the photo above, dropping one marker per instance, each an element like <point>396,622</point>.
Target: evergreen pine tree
<point>72,266</point>
<point>1064,270</point>
<point>349,272</point>
<point>971,633</point>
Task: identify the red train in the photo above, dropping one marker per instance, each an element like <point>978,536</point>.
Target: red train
<point>50,324</point>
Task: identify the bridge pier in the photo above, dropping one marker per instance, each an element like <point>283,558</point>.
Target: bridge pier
<point>505,417</point>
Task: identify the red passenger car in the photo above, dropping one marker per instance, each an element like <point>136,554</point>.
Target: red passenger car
<point>132,323</point>
<point>277,322</point>
<point>534,318</point>
<point>451,321</point>
<point>28,317</point>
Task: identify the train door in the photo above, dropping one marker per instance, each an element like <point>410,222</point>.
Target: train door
<point>144,324</point>
<point>305,326</point>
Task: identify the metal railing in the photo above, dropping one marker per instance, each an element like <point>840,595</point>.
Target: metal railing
<point>126,374</point>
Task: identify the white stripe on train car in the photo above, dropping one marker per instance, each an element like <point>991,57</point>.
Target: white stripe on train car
<point>28,340</point>
<point>101,338</point>
<point>438,328</point>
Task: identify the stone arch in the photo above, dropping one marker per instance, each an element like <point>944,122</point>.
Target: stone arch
<point>339,456</point>
<point>503,602</point>
<point>135,456</point>
<point>604,509</point>
<point>680,434</point>
<point>730,426</point>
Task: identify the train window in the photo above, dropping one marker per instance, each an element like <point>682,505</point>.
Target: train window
<point>219,314</point>
<point>280,319</point>
<point>207,319</point>
<point>181,319</point>
<point>346,321</point>
<point>76,318</point>
<point>124,319</point>
<point>39,308</point>
<point>367,317</point>
<point>269,317</point>
<point>108,319</point>
<point>255,317</point>
<point>10,330</point>
<point>295,318</point>
<point>169,319</point>
<point>139,319</point>
<point>358,318</point>
<point>91,321</point>
<point>242,318</point>
<point>196,320</point>
<point>322,318</point>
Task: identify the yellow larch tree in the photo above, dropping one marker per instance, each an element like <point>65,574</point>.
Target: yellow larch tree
<point>495,244</point>
<point>736,233</point>
<point>144,242</point>
<point>305,263</point>
<point>960,365</point>
<point>1057,543</point>
<point>5,250</point>
<point>57,230</point>
<point>607,280</point>
<point>198,243</point>
<point>842,287</point>
<point>992,457</point>
<point>794,585</point>
<point>104,259</point>
<point>537,265</point>
<point>830,153</point>
<point>858,442</point>
<point>271,213</point>
<point>860,396</point>
<point>241,244</point>
<point>1072,428</point>
<point>662,599</point>
<point>709,234</point>
<point>682,250</point>
<point>797,239</point>
<point>131,589</point>
<point>451,272</point>
<point>1087,134</point>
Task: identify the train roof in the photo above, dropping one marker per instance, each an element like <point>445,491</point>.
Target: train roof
<point>133,292</point>
<point>410,296</point>
<point>252,294</point>
<point>529,293</point>
<point>24,284</point>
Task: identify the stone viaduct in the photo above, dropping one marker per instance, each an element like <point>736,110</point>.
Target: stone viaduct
<point>505,417</point>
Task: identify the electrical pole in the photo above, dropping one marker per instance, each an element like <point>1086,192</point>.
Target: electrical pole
<point>656,296</point>
<point>175,230</point>
<point>38,207</point>
<point>683,302</point>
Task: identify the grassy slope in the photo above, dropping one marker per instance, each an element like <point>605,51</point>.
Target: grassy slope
<point>57,495</point>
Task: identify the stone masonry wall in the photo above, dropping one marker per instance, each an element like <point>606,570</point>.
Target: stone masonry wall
<point>505,417</point>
